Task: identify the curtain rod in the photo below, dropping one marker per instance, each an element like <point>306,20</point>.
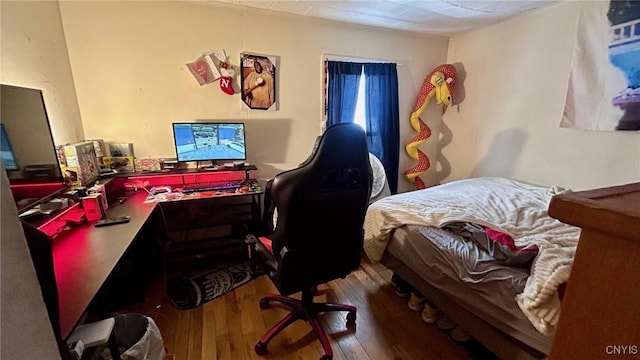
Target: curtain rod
<point>334,57</point>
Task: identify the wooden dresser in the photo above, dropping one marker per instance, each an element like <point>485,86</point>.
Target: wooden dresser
<point>600,316</point>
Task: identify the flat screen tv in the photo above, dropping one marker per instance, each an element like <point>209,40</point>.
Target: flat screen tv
<point>211,141</point>
<point>28,152</point>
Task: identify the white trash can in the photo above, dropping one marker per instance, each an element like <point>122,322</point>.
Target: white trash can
<point>138,338</point>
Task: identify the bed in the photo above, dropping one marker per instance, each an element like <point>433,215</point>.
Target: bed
<point>504,294</point>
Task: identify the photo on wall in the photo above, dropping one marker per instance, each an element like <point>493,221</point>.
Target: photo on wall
<point>258,78</point>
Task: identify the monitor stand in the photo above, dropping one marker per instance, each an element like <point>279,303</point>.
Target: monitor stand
<point>212,166</point>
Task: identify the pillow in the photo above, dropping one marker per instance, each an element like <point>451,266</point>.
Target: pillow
<point>502,248</point>
<point>267,243</point>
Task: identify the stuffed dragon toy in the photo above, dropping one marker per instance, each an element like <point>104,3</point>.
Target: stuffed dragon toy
<point>439,84</point>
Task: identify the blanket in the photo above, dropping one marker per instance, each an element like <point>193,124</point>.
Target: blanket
<point>509,206</point>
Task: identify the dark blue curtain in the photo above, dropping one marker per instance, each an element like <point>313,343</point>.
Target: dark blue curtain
<point>342,91</point>
<point>383,117</point>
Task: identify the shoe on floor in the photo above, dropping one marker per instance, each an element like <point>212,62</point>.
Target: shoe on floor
<point>403,289</point>
<point>403,292</point>
<point>395,279</point>
<point>459,334</point>
<point>430,314</point>
<point>445,323</point>
<point>416,302</point>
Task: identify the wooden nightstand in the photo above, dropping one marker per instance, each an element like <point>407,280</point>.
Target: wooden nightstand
<point>600,315</point>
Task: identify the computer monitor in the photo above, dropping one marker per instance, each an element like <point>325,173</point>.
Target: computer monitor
<point>211,141</point>
<point>8,158</point>
<point>28,151</point>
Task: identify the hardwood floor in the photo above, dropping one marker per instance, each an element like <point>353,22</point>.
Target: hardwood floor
<point>228,327</point>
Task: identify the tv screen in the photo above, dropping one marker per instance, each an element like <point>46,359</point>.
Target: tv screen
<point>31,163</point>
<point>209,141</point>
<point>8,159</point>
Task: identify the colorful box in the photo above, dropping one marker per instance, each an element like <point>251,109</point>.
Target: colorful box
<point>147,164</point>
<point>82,168</point>
<point>101,150</point>
<point>120,163</point>
<point>100,189</point>
<point>92,206</point>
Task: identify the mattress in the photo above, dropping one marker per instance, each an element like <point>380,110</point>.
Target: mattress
<point>470,277</point>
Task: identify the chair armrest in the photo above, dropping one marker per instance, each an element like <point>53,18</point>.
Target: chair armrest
<point>267,225</point>
<point>260,255</point>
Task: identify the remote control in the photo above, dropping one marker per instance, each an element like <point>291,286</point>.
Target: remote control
<point>114,221</point>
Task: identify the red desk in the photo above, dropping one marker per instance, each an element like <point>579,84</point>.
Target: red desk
<point>85,256</point>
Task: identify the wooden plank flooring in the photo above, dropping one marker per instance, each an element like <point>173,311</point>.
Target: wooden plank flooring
<point>228,327</point>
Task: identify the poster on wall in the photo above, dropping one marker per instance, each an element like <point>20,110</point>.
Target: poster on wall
<point>258,78</point>
<point>604,80</point>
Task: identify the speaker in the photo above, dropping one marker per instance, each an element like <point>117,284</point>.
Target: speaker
<point>170,164</point>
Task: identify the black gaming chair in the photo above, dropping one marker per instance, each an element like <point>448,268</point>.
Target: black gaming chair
<point>318,235</point>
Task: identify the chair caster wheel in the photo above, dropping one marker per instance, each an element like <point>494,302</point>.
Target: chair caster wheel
<point>326,357</point>
<point>264,303</point>
<point>260,348</point>
<point>351,318</point>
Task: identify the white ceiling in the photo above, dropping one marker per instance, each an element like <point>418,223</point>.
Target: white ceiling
<point>436,17</point>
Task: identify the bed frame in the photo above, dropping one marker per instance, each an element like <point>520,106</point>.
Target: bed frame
<point>499,343</point>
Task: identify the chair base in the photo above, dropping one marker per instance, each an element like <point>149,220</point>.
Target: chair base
<point>306,310</point>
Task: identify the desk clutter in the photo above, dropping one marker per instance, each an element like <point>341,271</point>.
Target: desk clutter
<point>89,201</point>
<point>202,190</point>
<point>84,162</point>
<point>73,207</point>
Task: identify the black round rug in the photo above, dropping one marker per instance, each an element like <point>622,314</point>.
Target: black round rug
<point>189,291</point>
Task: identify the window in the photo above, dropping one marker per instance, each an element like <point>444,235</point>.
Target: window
<point>367,94</point>
<point>361,111</point>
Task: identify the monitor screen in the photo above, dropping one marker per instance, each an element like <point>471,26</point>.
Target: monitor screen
<point>8,159</point>
<point>209,141</point>
<point>28,151</point>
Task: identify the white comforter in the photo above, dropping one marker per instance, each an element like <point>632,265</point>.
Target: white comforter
<point>509,206</point>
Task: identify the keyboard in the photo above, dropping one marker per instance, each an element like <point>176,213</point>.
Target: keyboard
<point>212,185</point>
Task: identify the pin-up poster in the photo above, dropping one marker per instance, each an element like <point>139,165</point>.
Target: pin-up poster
<point>604,81</point>
<point>258,78</point>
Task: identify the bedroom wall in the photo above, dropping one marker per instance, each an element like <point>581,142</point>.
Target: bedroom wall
<point>514,91</point>
<point>128,60</point>
<point>33,54</point>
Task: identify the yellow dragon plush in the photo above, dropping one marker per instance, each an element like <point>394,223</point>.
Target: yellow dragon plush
<point>439,84</point>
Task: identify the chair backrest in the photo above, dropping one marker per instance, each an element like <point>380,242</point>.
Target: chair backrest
<point>321,208</point>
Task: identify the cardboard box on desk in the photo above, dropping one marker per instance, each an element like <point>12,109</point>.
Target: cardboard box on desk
<point>82,167</point>
<point>92,205</point>
<point>100,189</point>
<point>121,163</point>
<point>101,150</point>
<point>72,176</point>
<point>120,149</point>
<point>148,164</point>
